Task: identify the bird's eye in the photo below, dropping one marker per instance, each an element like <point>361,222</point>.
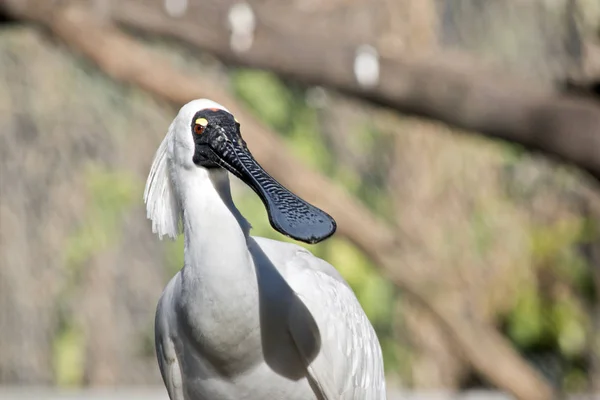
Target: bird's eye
<point>198,129</point>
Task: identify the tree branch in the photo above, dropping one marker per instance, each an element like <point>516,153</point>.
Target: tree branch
<point>127,61</point>
<point>441,87</point>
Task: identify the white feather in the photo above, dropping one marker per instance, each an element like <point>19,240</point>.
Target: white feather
<point>161,203</point>
<point>162,206</point>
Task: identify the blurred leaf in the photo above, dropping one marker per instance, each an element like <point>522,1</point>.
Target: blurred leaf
<point>349,179</point>
<point>394,356</point>
<point>575,381</point>
<point>264,94</point>
<point>590,231</point>
<point>306,141</point>
<point>525,323</point>
<point>350,262</point>
<point>568,322</point>
<point>174,255</point>
<point>68,356</point>
<point>548,242</point>
<point>376,296</point>
<point>110,194</point>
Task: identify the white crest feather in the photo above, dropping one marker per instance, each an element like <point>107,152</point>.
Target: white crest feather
<point>162,204</point>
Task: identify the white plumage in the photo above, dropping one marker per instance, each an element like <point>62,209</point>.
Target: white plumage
<point>247,317</point>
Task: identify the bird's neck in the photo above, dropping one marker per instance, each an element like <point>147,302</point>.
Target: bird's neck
<point>218,266</point>
<point>218,299</point>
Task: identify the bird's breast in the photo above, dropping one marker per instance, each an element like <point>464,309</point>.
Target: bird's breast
<point>224,331</point>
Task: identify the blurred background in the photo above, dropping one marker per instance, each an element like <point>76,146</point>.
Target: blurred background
<point>476,259</point>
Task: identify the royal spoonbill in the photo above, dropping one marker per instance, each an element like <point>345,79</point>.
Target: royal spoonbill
<point>248,318</point>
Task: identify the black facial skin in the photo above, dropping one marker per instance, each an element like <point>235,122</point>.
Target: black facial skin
<point>220,130</point>
<point>220,144</point>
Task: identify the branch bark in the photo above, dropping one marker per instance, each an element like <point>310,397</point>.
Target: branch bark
<point>127,61</point>
<point>443,88</point>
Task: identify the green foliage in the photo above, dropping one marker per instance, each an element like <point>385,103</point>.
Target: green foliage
<point>550,243</point>
<point>110,193</point>
<point>393,354</point>
<point>174,255</point>
<point>569,326</point>
<point>526,322</point>
<point>553,315</point>
<point>145,343</point>
<point>305,140</point>
<point>69,356</point>
<point>575,380</point>
<point>372,185</point>
<point>281,109</point>
<point>265,95</point>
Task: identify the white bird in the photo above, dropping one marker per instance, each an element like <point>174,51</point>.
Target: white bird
<point>249,318</point>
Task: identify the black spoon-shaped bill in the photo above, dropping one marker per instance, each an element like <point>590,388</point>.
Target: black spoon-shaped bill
<point>288,213</point>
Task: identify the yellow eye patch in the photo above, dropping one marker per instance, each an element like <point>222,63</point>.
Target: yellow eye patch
<point>235,119</point>
<point>202,122</point>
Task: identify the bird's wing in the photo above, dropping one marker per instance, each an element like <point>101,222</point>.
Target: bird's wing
<point>349,363</point>
<point>165,349</point>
